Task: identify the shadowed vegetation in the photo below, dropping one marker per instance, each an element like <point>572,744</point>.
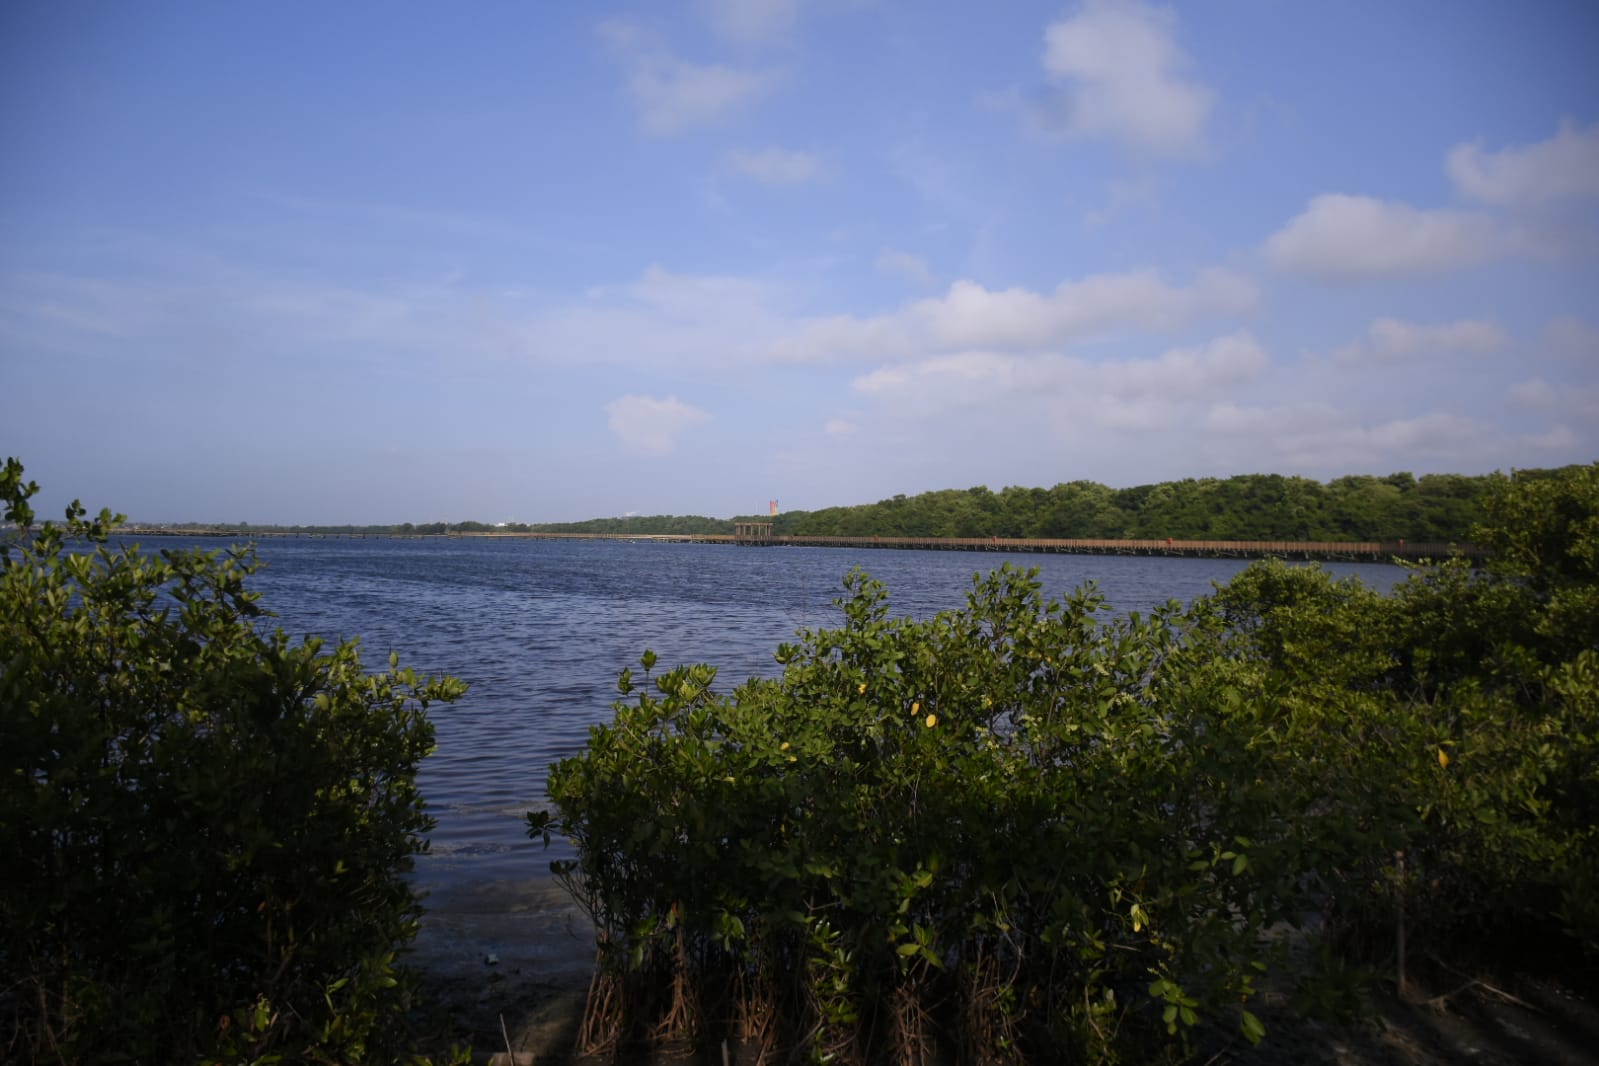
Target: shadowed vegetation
<point>205,826</point>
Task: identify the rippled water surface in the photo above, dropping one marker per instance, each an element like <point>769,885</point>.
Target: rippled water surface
<point>539,629</point>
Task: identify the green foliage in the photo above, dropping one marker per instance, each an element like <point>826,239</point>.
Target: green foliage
<point>1077,838</point>
<point>1049,819</point>
<point>1433,508</point>
<point>1542,528</point>
<point>205,826</point>
<point>1459,717</point>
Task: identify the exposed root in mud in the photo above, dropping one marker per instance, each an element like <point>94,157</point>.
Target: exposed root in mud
<point>603,1013</point>
<point>681,1021</point>
<point>911,1044</point>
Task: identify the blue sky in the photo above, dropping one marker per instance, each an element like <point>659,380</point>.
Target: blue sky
<point>382,262</point>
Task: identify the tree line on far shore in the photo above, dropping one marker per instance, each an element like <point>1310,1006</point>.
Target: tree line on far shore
<point>1432,508</point>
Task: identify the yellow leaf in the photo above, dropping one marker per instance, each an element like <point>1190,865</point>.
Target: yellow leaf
<point>861,691</point>
<point>1443,758</point>
<point>932,720</point>
<point>916,708</point>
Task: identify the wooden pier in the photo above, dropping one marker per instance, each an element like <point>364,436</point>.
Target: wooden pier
<point>759,534</point>
<point>754,534</point>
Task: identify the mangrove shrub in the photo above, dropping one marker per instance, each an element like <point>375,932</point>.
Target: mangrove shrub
<point>1025,831</point>
<point>1453,724</point>
<point>205,825</point>
<point>1017,830</point>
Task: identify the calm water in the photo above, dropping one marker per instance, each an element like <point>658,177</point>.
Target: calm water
<point>540,629</point>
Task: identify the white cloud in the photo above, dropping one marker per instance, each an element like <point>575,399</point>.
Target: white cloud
<point>1121,394</point>
<point>1437,434</point>
<point>1188,372</point>
<point>1557,439</point>
<point>1121,194</point>
<point>1573,338</point>
<point>1535,392</point>
<point>778,166</point>
<point>990,400</point>
<point>1391,340</point>
<point>970,316</point>
<point>1566,400</point>
<point>672,94</point>
<point>693,296</point>
<point>224,314</point>
<point>954,380</point>
<point>1318,437</point>
<point>1342,238</point>
<point>941,179</point>
<point>840,427</point>
<point>651,426</point>
<point>1324,441</point>
<point>664,318</point>
<point>1564,167</point>
<point>1120,72</point>
<point>905,265</point>
<point>1228,417</point>
<point>752,21</point>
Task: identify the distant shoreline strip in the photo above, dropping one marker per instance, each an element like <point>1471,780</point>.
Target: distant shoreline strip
<point>1356,551</point>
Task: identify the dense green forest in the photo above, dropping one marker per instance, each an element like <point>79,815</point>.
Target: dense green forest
<point>1434,507</point>
<point>1429,508</point>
